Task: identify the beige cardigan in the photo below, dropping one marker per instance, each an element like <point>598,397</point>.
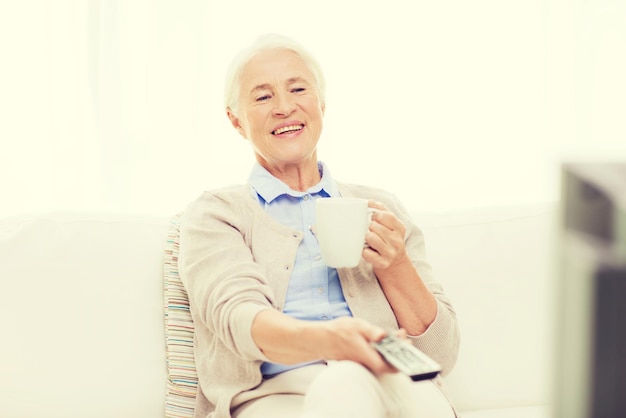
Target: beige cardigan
<point>235,261</point>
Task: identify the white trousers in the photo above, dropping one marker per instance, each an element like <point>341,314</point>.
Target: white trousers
<point>340,390</point>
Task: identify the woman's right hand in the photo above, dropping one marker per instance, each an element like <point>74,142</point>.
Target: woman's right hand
<point>350,338</point>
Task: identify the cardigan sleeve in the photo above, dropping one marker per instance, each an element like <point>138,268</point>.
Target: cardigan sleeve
<point>226,288</point>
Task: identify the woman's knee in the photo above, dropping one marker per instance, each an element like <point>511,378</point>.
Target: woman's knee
<point>345,387</point>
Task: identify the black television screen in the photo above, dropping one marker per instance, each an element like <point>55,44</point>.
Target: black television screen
<point>590,320</point>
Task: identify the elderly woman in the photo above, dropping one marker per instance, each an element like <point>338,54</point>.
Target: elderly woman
<point>279,333</point>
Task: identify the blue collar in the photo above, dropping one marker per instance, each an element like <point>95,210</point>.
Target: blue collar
<point>269,187</point>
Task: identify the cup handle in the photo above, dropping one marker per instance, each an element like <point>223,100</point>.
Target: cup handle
<point>370,212</point>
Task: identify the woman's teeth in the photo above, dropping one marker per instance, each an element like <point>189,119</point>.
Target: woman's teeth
<point>287,129</point>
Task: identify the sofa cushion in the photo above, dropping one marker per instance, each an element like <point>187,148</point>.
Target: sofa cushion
<point>81,316</point>
<point>182,379</point>
<point>496,265</point>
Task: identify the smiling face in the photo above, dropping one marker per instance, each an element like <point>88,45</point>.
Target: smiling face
<point>279,110</point>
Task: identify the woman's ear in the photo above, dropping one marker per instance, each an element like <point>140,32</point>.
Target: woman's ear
<point>234,120</point>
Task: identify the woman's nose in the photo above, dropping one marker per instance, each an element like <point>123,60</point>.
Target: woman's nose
<point>284,106</point>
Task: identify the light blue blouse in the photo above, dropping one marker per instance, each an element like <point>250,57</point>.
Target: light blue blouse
<point>314,292</point>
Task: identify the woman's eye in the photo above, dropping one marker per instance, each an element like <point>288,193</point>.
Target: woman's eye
<point>263,98</point>
<point>298,89</point>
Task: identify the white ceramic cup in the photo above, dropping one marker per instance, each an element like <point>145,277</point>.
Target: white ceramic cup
<point>341,224</point>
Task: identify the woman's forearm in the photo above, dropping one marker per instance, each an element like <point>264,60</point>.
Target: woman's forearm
<point>283,339</point>
<point>413,303</point>
<point>287,340</point>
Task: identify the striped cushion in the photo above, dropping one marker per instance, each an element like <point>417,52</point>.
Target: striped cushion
<point>182,380</point>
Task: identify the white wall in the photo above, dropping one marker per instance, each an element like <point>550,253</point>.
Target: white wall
<point>117,105</point>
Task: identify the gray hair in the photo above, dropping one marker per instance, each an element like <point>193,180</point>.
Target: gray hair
<point>267,42</point>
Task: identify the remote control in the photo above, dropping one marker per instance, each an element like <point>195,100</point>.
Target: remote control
<point>407,359</point>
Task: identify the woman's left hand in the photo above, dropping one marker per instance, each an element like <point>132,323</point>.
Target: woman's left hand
<point>412,302</point>
<point>385,239</point>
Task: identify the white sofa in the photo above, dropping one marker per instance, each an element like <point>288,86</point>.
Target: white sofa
<point>81,311</point>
